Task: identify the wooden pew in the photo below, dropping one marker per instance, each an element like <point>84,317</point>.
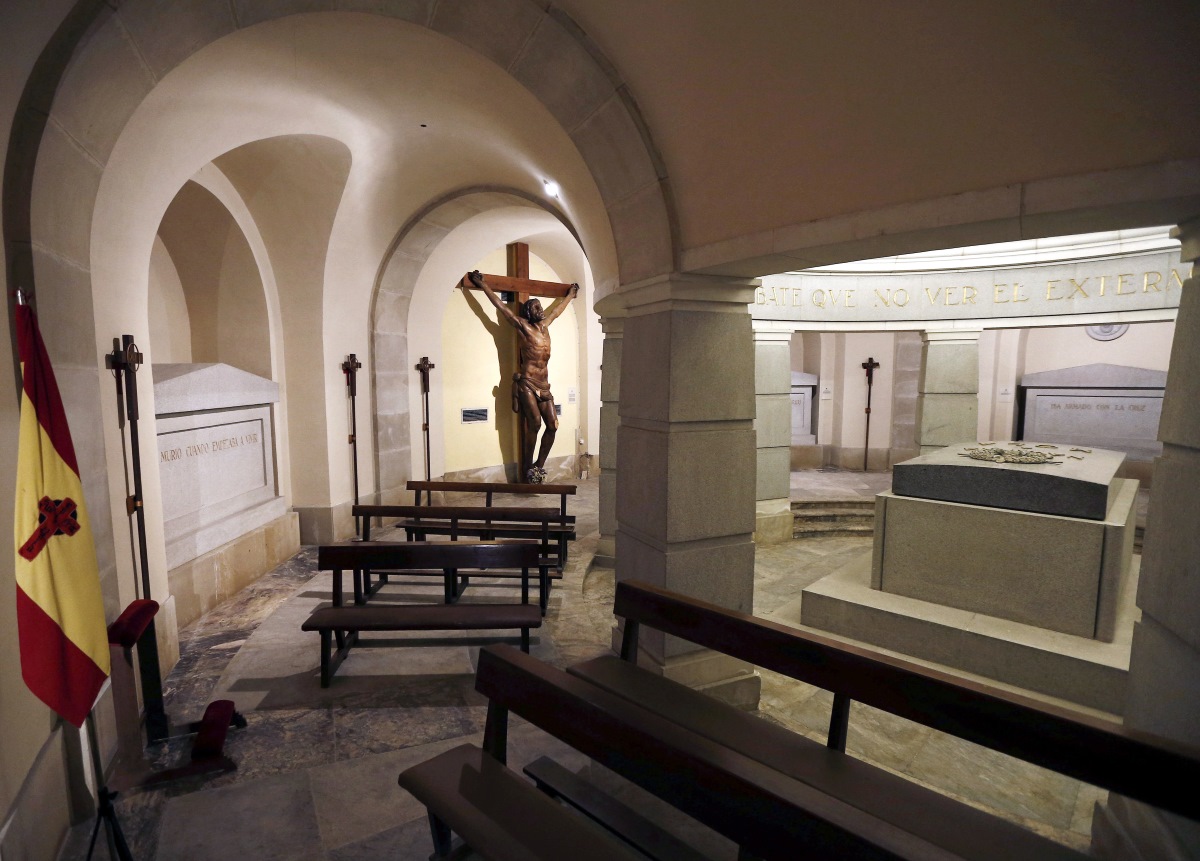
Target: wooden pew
<point>766,813</point>
<point>341,624</point>
<point>1086,748</point>
<point>548,526</point>
<point>490,489</point>
<point>776,794</point>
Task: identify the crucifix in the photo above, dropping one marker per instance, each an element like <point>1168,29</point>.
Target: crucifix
<point>424,367</point>
<point>869,366</point>
<point>531,384</point>
<point>350,369</point>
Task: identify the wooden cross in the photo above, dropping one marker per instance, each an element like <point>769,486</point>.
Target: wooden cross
<point>425,366</point>
<point>350,369</point>
<point>869,366</point>
<point>518,282</point>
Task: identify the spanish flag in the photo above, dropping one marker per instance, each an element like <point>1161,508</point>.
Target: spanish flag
<point>60,611</point>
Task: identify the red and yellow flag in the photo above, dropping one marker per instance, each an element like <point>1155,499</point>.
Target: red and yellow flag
<point>60,611</point>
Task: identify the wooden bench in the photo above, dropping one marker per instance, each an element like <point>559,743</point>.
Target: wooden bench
<point>493,808</point>
<point>746,801</point>
<point>1089,749</point>
<point>340,624</point>
<point>548,526</point>
<point>490,489</point>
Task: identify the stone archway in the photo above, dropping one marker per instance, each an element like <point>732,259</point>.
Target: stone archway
<point>104,63</point>
<point>392,360</point>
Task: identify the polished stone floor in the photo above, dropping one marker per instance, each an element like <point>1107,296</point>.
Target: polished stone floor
<point>316,775</point>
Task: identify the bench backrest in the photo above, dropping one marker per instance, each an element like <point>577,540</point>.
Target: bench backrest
<point>1094,750</point>
<point>505,514</point>
<point>489,489</point>
<point>748,802</point>
<point>355,555</point>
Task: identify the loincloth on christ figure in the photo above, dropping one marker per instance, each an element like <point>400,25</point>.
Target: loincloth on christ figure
<point>520,383</point>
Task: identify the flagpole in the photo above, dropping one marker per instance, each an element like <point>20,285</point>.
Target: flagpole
<point>124,361</point>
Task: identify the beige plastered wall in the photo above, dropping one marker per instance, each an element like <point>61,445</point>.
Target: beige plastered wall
<point>33,743</point>
<point>170,326</point>
<point>167,129</point>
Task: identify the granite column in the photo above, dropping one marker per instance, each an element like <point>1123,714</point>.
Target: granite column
<point>948,390</point>
<point>612,321</point>
<point>773,435</point>
<point>685,445</point>
<point>1163,693</point>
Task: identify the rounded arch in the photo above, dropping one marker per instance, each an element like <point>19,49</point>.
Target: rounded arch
<point>426,256</point>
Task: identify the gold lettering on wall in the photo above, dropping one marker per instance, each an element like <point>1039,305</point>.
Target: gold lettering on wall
<point>1080,290</point>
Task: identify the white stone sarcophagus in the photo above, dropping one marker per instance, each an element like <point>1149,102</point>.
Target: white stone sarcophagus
<point>216,456</point>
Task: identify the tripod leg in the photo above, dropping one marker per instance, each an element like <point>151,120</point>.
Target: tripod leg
<point>107,815</point>
<point>105,811</point>
<point>116,838</point>
<point>95,834</point>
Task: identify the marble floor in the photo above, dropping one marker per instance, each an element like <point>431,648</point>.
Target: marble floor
<point>316,775</point>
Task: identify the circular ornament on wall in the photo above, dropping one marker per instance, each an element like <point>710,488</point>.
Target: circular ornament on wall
<point>1107,332</point>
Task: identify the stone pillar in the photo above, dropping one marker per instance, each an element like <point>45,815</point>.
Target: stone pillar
<point>1163,690</point>
<point>948,391</point>
<point>685,495</point>
<point>906,376</point>
<point>612,320</point>
<point>773,434</point>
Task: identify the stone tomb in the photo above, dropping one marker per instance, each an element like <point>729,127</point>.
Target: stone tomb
<point>804,407</point>
<point>1052,549</point>
<point>216,456</point>
<point>1113,406</point>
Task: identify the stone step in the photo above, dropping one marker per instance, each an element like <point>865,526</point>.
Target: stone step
<point>829,530</point>
<point>820,530</point>
<point>848,516</point>
<point>834,515</point>
<point>835,501</point>
<point>1088,672</point>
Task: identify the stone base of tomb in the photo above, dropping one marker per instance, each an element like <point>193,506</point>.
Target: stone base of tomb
<point>202,583</point>
<point>1064,574</point>
<point>1079,670</point>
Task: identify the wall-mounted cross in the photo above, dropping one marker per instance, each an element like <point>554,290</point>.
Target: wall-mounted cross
<point>869,366</point>
<point>350,369</point>
<point>425,366</point>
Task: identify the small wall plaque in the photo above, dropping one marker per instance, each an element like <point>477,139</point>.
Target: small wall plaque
<point>474,415</point>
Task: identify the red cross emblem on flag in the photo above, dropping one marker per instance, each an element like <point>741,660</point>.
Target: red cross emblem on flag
<point>55,517</point>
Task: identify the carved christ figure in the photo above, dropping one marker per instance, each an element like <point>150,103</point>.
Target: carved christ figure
<point>531,385</point>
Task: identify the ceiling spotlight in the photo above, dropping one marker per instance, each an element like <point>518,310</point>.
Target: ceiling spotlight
<point>551,187</point>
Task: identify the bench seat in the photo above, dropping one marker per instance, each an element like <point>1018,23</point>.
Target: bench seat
<point>932,817</point>
<point>491,806</point>
<point>343,624</point>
